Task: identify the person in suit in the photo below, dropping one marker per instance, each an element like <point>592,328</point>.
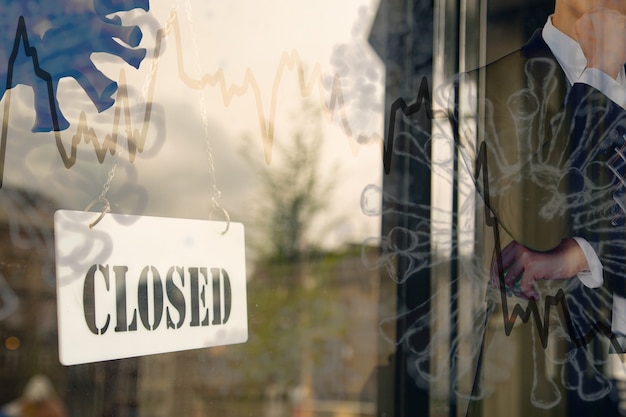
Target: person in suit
<point>552,127</point>
<point>554,123</point>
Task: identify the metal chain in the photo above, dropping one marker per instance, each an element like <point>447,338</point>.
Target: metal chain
<point>214,191</point>
<point>102,198</point>
<point>110,175</point>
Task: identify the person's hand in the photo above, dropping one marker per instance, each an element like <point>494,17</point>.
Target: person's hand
<point>528,266</point>
<point>601,34</point>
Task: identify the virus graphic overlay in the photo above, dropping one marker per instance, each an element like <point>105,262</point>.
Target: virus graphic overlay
<point>570,338</point>
<point>65,34</point>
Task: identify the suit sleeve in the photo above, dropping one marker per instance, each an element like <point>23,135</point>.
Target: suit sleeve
<point>564,187</point>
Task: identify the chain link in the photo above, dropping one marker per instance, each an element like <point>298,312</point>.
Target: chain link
<point>129,133</point>
<point>214,191</point>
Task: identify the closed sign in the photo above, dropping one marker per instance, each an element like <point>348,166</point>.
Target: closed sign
<point>137,285</point>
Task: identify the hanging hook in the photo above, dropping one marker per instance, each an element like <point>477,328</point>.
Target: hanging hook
<point>217,207</point>
<point>105,210</point>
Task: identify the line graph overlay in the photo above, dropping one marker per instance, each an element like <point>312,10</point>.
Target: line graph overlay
<point>532,308</point>
<point>288,62</point>
<point>136,138</point>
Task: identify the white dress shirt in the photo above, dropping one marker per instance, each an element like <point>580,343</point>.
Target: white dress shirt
<point>570,57</point>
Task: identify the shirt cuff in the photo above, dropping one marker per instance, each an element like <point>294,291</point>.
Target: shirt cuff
<point>618,322</point>
<point>593,277</point>
<point>606,84</point>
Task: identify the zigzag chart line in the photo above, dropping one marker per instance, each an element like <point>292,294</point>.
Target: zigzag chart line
<point>136,138</point>
<point>288,61</point>
<point>557,300</point>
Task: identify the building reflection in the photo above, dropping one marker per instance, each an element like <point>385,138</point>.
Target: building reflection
<point>312,348</point>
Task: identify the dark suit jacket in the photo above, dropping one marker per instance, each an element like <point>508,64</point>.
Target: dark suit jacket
<point>548,144</point>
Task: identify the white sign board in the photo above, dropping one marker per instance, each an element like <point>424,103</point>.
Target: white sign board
<point>137,285</point>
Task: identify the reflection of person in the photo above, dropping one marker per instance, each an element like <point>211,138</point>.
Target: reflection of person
<point>38,400</point>
<point>550,130</point>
